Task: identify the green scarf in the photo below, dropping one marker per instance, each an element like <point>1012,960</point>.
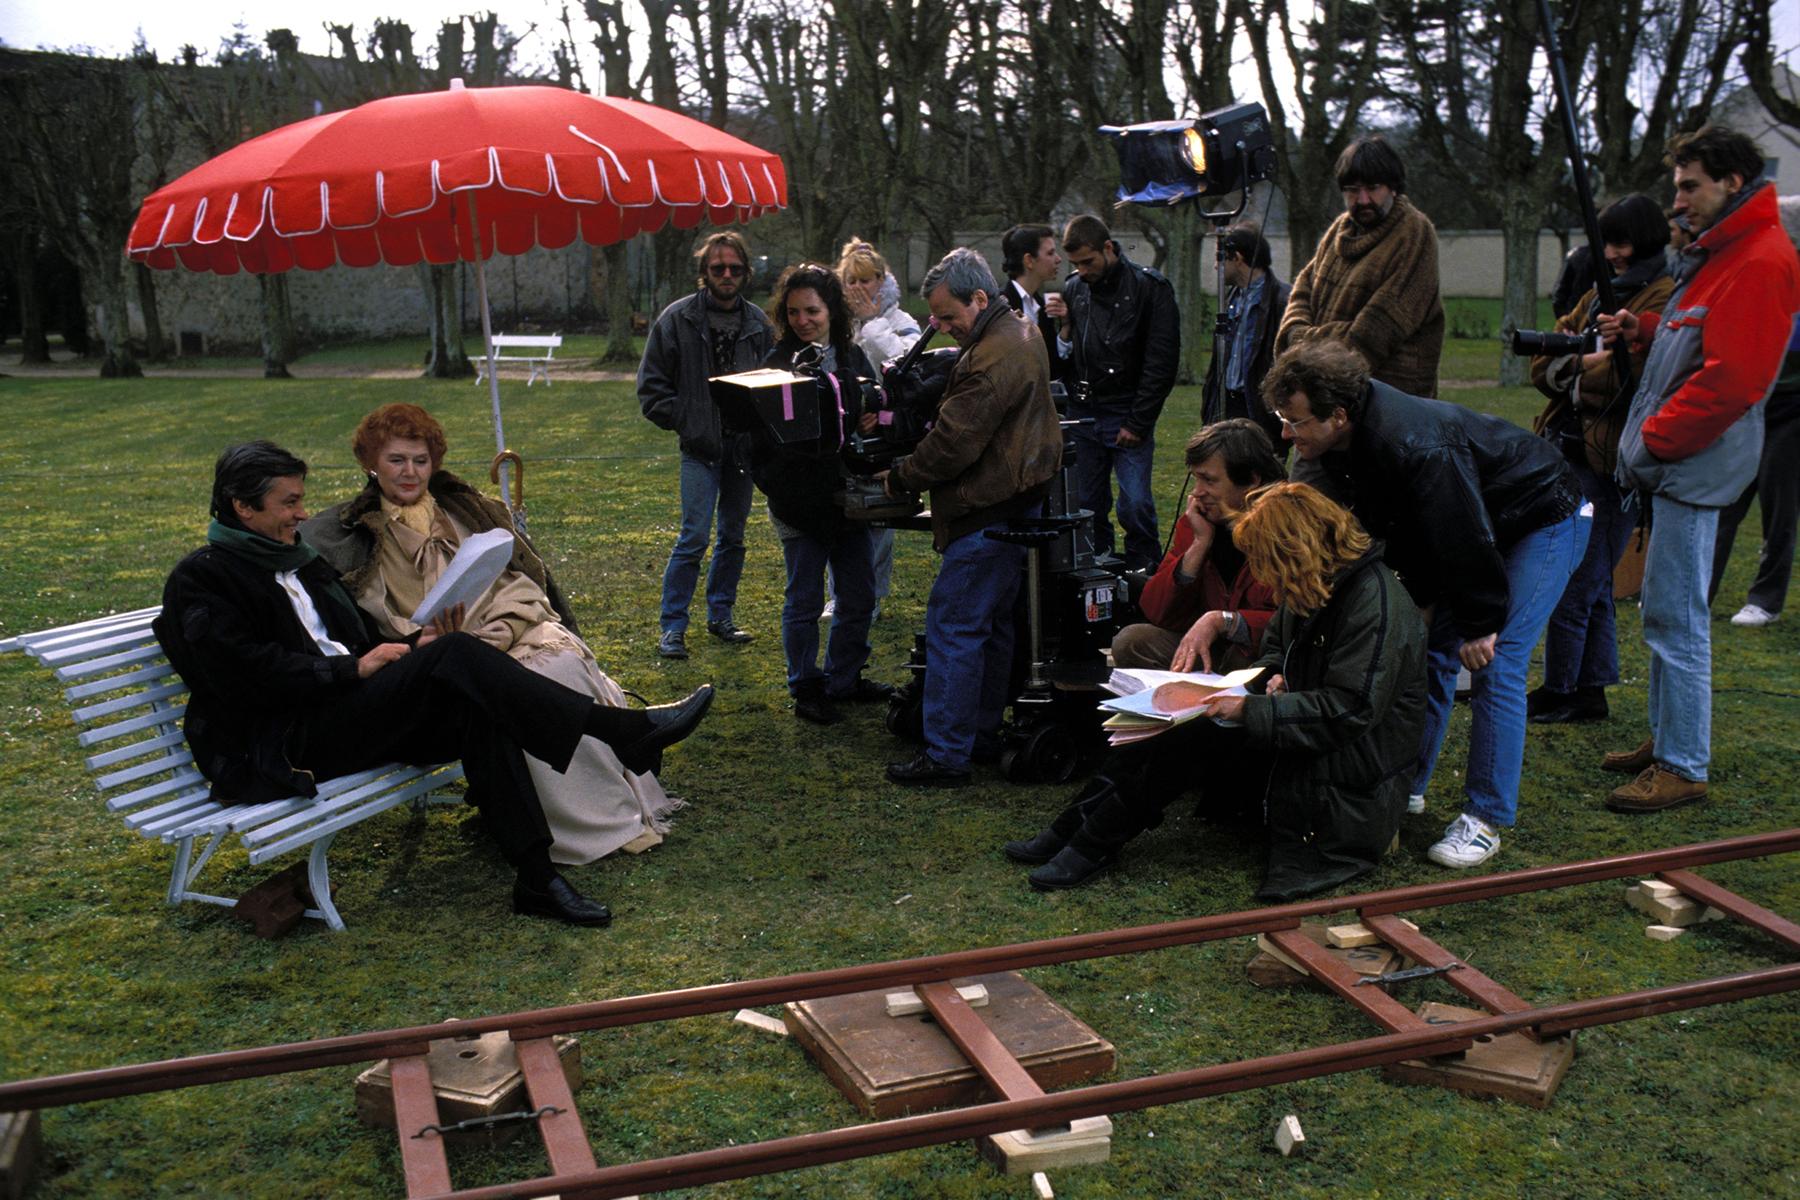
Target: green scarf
<point>276,557</point>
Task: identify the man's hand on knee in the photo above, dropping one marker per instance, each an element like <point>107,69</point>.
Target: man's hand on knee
<point>380,657</point>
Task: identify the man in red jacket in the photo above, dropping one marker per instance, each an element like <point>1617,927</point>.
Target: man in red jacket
<point>1694,435</point>
<point>1205,612</point>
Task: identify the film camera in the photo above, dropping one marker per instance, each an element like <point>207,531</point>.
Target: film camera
<point>906,402</point>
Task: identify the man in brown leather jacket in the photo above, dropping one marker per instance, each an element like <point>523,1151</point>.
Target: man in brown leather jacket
<point>989,457</point>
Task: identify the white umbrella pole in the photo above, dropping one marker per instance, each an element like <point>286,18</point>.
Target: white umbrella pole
<point>487,341</point>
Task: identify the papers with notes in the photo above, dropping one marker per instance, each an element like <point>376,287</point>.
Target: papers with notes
<point>1147,703</point>
<point>478,562</point>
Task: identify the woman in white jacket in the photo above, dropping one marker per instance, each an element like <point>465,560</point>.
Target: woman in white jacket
<point>882,330</point>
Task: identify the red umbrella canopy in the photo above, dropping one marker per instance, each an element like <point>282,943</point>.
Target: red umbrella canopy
<point>398,180</point>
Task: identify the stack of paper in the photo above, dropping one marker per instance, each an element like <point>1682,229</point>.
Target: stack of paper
<point>1147,703</point>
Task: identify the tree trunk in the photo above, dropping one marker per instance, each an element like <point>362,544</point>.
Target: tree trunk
<point>279,345</point>
<point>448,358</point>
<point>34,344</point>
<point>155,348</point>
<point>1186,267</point>
<point>620,349</point>
<point>1519,216</point>
<point>115,322</point>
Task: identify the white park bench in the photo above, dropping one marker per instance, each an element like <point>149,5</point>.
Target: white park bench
<point>537,351</point>
<point>126,698</point>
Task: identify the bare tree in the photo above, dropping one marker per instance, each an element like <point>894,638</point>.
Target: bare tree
<point>612,38</point>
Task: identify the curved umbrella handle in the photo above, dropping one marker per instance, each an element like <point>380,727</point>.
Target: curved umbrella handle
<point>516,501</point>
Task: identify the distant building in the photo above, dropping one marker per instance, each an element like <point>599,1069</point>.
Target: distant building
<point>1742,111</point>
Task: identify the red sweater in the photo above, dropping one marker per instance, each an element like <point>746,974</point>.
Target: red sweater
<point>1168,604</point>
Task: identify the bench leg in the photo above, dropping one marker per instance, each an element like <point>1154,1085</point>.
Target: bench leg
<point>187,869</point>
<point>318,877</point>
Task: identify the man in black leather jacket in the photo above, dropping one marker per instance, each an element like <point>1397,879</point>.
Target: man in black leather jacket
<point>1119,338</point>
<point>1484,524</point>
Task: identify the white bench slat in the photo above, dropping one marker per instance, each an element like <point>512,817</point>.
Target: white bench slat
<point>113,683</point>
<point>155,766</point>
<point>126,703</point>
<point>326,803</point>
<point>159,827</point>
<point>147,821</point>
<point>106,733</point>
<point>380,804</point>
<point>95,666</point>
<point>183,779</point>
<point>42,640</point>
<point>76,651</point>
<point>136,750</point>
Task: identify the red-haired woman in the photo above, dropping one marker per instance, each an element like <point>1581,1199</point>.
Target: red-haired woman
<point>1334,720</point>
<point>393,541</point>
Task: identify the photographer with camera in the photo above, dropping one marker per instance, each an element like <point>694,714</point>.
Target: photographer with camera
<point>1119,336</point>
<point>1694,436</point>
<point>802,481</point>
<point>991,453</point>
<point>1484,524</point>
<point>1589,395</point>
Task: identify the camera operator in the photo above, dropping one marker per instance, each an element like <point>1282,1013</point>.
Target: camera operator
<point>801,481</point>
<point>1484,524</point>
<point>1589,396</point>
<point>1253,309</point>
<point>989,457</point>
<point>1694,436</point>
<point>1119,334</point>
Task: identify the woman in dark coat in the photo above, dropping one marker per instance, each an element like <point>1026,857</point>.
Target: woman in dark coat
<point>802,481</point>
<point>1333,723</point>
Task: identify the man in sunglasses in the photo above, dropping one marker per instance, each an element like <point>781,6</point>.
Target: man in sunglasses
<point>712,332</point>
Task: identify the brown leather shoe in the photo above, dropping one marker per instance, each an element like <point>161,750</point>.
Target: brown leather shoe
<point>1655,789</point>
<point>1631,762</point>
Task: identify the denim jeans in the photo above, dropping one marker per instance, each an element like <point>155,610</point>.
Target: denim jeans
<point>883,540</point>
<point>1097,457</point>
<point>1678,630</point>
<point>969,645</point>
<point>1538,567</point>
<point>849,558</point>
<point>1581,646</point>
<point>707,489</point>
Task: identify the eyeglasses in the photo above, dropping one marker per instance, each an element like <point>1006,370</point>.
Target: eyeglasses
<point>724,269</point>
<point>1289,426</point>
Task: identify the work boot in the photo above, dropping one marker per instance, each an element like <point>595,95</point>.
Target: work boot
<point>1042,847</point>
<point>1631,762</point>
<point>1656,788</point>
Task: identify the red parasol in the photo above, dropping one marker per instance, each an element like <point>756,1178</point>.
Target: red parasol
<point>455,175</point>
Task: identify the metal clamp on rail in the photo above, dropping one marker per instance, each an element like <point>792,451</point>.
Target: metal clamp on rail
<point>488,1122</point>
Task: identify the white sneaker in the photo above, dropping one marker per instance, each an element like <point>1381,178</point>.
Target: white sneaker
<point>1753,616</point>
<point>1468,841</point>
<point>1415,804</point>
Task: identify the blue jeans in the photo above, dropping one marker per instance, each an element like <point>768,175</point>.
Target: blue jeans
<point>1097,457</point>
<point>1538,567</point>
<point>1581,645</point>
<point>969,645</point>
<point>1678,630</point>
<point>706,489</point>
<point>849,556</point>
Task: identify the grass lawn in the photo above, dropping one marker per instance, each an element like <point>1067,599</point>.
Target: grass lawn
<point>793,856</point>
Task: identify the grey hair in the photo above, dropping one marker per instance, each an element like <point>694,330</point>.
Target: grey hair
<point>1790,217</point>
<point>964,272</point>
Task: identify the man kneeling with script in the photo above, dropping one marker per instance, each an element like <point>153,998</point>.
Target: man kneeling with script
<point>1324,738</point>
<point>290,684</point>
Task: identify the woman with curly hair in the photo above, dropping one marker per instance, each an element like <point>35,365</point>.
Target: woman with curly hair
<point>392,542</point>
<point>1332,724</point>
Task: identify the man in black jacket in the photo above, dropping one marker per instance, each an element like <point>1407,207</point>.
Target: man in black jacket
<point>1246,343</point>
<point>715,331</point>
<point>1119,337</point>
<point>290,684</point>
<point>1484,524</point>
<point>1030,261</point>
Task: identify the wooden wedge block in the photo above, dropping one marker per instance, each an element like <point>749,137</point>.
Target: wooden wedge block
<point>1040,1187</point>
<point>1677,910</point>
<point>1348,937</point>
<point>762,1021</point>
<point>908,1004</point>
<point>1663,933</point>
<point>1373,959</point>
<point>1657,889</point>
<point>21,1143</point>
<point>1028,1151</point>
<point>1289,1138</point>
<point>276,905</point>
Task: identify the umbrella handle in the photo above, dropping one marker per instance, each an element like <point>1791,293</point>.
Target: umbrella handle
<point>517,502</point>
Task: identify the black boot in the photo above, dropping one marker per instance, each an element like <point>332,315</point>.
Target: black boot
<point>1110,823</point>
<point>1042,847</point>
<point>1540,700</point>
<point>1577,708</point>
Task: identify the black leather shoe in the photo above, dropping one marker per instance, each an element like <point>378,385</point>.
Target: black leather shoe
<point>1069,869</point>
<point>1578,708</point>
<point>817,709</point>
<point>1036,850</point>
<point>672,644</point>
<point>559,901</point>
<point>1542,699</point>
<point>728,632</point>
<point>669,723</point>
<point>866,691</point>
<point>926,771</point>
